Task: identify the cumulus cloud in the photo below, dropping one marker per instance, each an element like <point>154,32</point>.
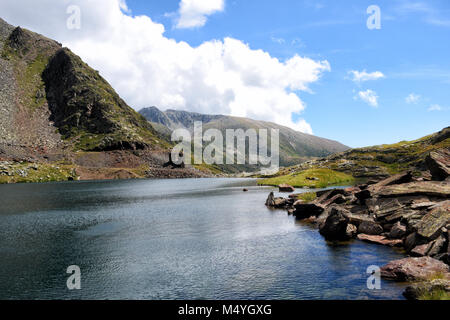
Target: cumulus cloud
<point>362,76</point>
<point>435,107</point>
<point>412,98</point>
<point>148,69</point>
<point>193,13</point>
<point>370,97</point>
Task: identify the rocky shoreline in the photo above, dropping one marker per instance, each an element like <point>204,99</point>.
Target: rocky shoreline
<point>404,211</point>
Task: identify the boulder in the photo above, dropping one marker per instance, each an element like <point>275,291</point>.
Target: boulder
<point>438,162</point>
<point>306,210</point>
<point>415,269</point>
<point>285,188</point>
<point>335,226</point>
<point>275,202</point>
<point>379,240</point>
<point>421,250</point>
<point>398,231</point>
<point>417,290</point>
<point>370,228</point>
<point>430,225</point>
<point>438,246</point>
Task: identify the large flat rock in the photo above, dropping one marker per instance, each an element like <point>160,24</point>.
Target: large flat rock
<point>415,269</point>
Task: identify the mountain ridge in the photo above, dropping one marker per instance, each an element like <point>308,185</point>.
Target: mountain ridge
<point>294,146</point>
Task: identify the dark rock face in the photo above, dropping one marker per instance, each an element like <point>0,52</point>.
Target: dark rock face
<point>306,210</point>
<point>335,226</point>
<point>398,231</point>
<point>82,102</point>
<point>413,269</point>
<point>439,164</point>
<point>370,228</point>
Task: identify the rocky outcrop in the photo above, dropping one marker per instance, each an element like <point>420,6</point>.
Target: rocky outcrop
<point>438,163</point>
<point>415,269</point>
<point>397,211</point>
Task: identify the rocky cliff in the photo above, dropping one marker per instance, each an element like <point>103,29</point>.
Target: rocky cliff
<point>59,119</point>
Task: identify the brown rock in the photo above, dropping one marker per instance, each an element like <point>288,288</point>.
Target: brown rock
<point>393,180</point>
<point>275,202</point>
<point>285,188</point>
<point>414,269</point>
<point>430,225</point>
<point>398,231</point>
<point>437,246</point>
<point>438,162</point>
<point>335,226</point>
<point>421,250</point>
<point>379,240</point>
<point>370,228</point>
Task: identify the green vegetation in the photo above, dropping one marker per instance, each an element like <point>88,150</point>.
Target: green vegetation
<point>437,294</point>
<point>307,196</point>
<point>32,172</point>
<point>313,178</point>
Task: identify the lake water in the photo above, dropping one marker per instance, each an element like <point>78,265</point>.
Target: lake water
<point>172,239</point>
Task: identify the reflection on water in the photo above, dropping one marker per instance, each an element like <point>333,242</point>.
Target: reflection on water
<point>172,239</point>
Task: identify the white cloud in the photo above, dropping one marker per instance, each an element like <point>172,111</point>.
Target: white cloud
<point>435,107</point>
<point>361,76</point>
<point>146,68</point>
<point>412,98</point>
<point>370,97</point>
<point>193,13</point>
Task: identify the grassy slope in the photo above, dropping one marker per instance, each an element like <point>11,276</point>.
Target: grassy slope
<point>326,177</point>
<point>367,162</point>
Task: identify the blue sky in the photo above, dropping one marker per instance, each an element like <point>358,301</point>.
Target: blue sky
<point>411,49</point>
<point>311,65</point>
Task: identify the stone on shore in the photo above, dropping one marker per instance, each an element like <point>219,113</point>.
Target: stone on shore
<point>285,188</point>
<point>380,240</point>
<point>335,226</point>
<point>275,202</point>
<point>370,228</point>
<point>305,210</point>
<point>398,231</point>
<point>415,269</point>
